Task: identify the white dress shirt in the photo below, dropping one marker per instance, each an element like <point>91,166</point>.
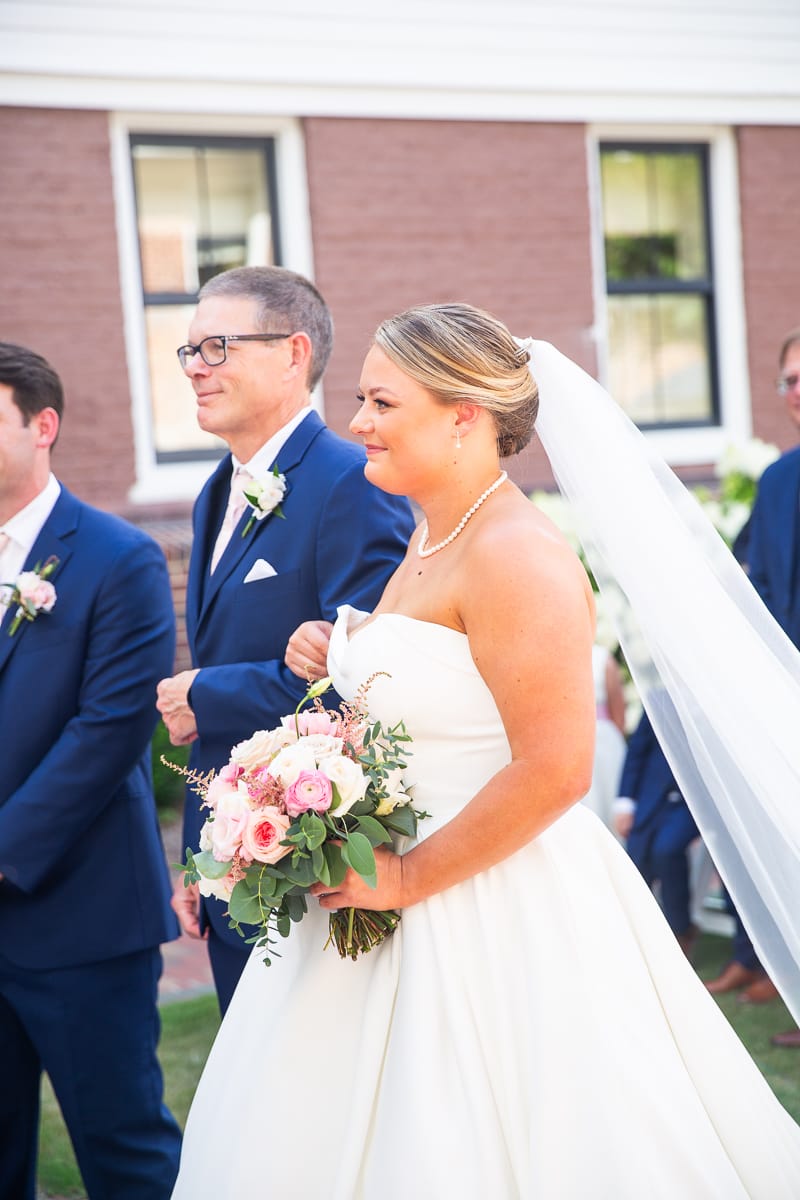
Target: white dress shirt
<point>261,462</point>
<point>22,530</point>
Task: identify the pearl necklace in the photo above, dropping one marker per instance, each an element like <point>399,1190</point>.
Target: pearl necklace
<point>451,537</point>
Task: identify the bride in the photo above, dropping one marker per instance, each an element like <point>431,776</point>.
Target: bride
<point>532,1028</point>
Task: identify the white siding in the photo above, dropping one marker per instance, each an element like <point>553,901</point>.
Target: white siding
<point>713,60</point>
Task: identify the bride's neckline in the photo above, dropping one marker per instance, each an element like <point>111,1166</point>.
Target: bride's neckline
<point>350,633</point>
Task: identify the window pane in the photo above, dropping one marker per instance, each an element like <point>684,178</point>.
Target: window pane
<point>654,214</point>
<point>658,358</point>
<point>175,430</point>
<point>201,210</point>
<point>203,207</point>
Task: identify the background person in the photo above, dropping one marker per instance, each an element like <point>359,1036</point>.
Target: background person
<point>773,554</point>
<point>84,887</point>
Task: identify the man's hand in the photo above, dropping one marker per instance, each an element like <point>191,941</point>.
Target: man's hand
<point>172,701</point>
<point>186,903</point>
<point>307,650</point>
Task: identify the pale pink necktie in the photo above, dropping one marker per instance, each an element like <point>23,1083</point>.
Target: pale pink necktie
<point>237,503</point>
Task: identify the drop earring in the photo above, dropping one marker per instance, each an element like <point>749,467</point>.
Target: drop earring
<point>458,438</point>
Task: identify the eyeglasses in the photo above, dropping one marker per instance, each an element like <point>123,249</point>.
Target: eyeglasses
<point>214,350</point>
<point>787,383</point>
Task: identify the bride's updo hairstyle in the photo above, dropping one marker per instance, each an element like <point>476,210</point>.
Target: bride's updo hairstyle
<point>459,352</point>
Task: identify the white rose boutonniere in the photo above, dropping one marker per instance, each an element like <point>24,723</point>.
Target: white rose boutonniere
<point>264,497</point>
<point>32,593</point>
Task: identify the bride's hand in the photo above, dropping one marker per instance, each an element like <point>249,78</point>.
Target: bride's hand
<point>307,650</point>
<point>353,892</point>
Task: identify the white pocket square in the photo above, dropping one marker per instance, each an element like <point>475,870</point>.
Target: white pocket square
<point>260,569</point>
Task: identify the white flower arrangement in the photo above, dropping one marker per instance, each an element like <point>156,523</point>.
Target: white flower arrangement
<point>264,497</point>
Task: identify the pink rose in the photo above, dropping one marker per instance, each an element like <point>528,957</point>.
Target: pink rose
<point>36,591</point>
<point>313,722</point>
<point>231,772</point>
<point>265,830</point>
<point>218,788</point>
<point>311,790</point>
<point>231,815</point>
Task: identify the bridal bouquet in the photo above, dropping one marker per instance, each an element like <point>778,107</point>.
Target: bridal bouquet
<point>298,805</point>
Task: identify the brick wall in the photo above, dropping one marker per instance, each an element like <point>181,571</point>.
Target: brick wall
<point>769,165</point>
<point>407,212</point>
<point>62,291</point>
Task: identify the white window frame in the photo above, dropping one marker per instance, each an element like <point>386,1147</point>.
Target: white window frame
<point>164,482</point>
<point>690,446</point>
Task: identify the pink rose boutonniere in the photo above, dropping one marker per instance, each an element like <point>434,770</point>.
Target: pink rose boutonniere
<point>264,497</point>
<point>31,593</point>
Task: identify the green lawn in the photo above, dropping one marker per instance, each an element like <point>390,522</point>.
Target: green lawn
<point>189,1027</point>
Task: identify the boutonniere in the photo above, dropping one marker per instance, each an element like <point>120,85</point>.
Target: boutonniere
<point>31,593</point>
<point>264,496</point>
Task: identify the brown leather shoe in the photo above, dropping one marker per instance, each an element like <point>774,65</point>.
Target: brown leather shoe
<point>732,977</point>
<point>760,992</point>
<point>792,1038</point>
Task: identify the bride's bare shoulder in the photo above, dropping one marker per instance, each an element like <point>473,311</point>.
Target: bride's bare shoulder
<point>522,553</point>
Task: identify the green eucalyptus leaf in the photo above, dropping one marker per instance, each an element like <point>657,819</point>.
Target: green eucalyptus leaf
<point>374,831</point>
<point>337,867</point>
<point>243,905</point>
<point>358,854</point>
<point>319,865</point>
<point>401,820</point>
<point>207,865</point>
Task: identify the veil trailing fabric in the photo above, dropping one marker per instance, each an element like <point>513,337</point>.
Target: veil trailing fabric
<point>717,675</point>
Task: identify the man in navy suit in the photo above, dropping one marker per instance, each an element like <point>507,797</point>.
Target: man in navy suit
<point>653,816</point>
<point>773,555</point>
<point>258,345</point>
<point>84,887</point>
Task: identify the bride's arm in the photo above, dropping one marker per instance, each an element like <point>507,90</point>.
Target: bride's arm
<point>528,612</point>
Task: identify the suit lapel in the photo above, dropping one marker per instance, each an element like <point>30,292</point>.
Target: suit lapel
<point>288,459</point>
<point>208,514</point>
<point>60,525</point>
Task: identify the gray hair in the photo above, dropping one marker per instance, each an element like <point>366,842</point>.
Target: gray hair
<point>287,303</point>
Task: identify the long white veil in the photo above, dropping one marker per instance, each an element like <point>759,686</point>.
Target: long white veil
<point>716,674</point>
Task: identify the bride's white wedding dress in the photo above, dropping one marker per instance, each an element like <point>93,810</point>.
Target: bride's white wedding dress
<point>532,1032</point>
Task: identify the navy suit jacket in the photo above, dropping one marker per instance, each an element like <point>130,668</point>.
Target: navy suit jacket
<point>647,777</point>
<point>774,543</point>
<point>338,543</point>
<point>86,879</point>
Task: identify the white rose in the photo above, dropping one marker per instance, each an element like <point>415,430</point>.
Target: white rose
<point>205,836</point>
<point>220,889</point>
<point>391,802</point>
<point>289,762</point>
<point>351,782</point>
<point>266,494</point>
<point>261,747</point>
<point>322,745</point>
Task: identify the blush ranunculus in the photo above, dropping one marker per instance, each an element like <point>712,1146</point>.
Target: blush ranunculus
<point>313,722</point>
<point>265,829</point>
<point>311,790</point>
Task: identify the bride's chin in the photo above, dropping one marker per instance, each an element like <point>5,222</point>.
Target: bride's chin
<point>383,479</point>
